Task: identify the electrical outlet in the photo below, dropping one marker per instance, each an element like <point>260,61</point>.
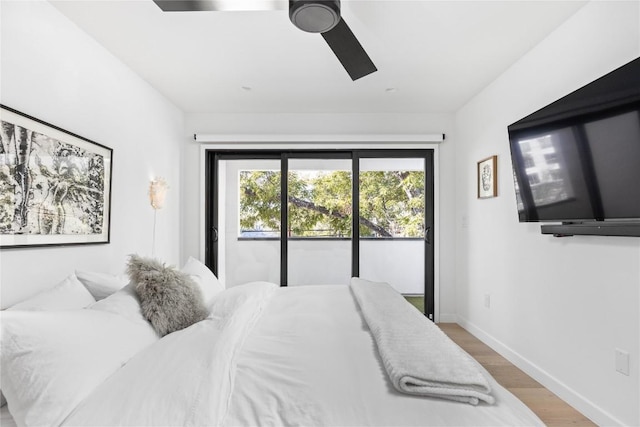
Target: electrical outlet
<point>622,361</point>
<point>487,301</point>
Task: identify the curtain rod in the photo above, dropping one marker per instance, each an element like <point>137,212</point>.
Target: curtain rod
<point>319,139</point>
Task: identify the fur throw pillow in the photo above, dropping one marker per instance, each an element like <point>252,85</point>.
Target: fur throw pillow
<point>169,299</point>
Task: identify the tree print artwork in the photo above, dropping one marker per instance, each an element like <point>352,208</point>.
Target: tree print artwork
<point>51,184</point>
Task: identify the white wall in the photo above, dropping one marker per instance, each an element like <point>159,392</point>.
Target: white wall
<point>331,124</point>
<point>558,307</point>
<point>55,72</point>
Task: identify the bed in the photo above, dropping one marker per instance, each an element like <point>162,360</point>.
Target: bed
<point>264,355</point>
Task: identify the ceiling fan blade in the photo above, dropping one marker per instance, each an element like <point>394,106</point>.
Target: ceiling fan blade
<point>220,5</point>
<point>349,51</point>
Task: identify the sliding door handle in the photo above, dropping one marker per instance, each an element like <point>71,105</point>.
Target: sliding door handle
<point>427,239</point>
<point>215,234</point>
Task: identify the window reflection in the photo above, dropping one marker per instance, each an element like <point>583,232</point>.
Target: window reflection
<point>546,171</point>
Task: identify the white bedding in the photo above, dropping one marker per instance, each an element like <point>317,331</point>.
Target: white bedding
<point>184,379</point>
<point>6,420</point>
<point>275,356</point>
<point>312,361</point>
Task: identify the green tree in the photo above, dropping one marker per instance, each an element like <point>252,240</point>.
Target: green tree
<point>259,200</point>
<point>391,203</point>
<point>393,200</point>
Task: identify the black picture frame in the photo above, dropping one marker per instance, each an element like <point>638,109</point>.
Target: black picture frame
<point>55,186</point>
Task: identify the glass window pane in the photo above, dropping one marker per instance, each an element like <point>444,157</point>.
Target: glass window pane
<point>392,198</point>
<point>319,228</point>
<point>319,198</point>
<point>392,215</point>
<point>249,224</point>
<point>259,196</point>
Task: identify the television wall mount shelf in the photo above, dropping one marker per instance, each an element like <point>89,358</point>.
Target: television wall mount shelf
<point>592,228</point>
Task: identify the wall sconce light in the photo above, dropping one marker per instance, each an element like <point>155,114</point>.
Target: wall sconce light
<point>158,192</point>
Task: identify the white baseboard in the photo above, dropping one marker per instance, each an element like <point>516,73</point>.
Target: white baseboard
<point>573,398</point>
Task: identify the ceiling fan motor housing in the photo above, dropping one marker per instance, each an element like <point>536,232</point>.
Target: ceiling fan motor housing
<point>314,16</point>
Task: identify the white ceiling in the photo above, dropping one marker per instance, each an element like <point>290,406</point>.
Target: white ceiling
<point>432,56</point>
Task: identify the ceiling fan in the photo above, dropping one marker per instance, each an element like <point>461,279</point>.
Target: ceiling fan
<point>313,16</point>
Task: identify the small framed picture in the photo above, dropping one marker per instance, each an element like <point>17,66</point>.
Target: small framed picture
<point>488,177</point>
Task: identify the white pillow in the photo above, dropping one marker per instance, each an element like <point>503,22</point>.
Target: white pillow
<point>52,360</point>
<point>124,302</point>
<point>206,280</point>
<point>66,295</point>
<point>69,294</point>
<point>101,285</point>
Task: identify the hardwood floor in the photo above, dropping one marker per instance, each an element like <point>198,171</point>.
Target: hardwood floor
<point>552,410</point>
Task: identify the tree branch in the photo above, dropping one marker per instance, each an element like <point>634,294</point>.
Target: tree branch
<point>323,210</point>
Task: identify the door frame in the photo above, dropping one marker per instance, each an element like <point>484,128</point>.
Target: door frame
<point>211,215</point>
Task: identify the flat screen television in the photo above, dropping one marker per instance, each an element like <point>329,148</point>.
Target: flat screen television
<point>577,160</point>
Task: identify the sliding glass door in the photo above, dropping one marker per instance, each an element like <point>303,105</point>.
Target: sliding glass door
<point>365,213</point>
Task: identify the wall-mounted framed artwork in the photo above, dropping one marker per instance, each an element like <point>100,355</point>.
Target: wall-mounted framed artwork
<point>488,177</point>
<point>55,186</point>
